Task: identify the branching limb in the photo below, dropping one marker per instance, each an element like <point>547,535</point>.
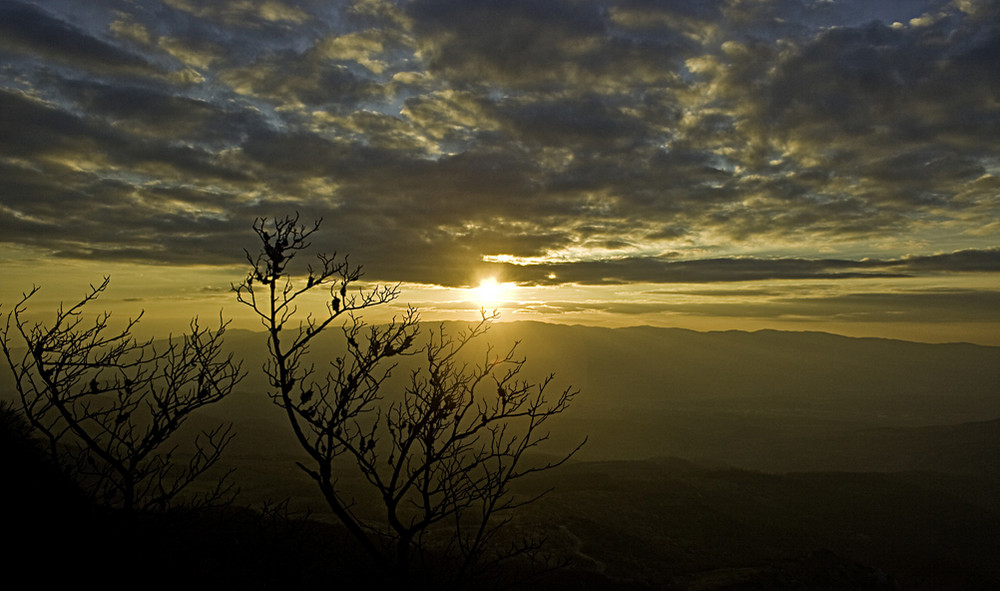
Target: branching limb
<point>110,406</point>
<point>441,459</point>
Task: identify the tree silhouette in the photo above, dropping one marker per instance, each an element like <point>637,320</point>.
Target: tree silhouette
<point>441,459</point>
<point>110,406</point>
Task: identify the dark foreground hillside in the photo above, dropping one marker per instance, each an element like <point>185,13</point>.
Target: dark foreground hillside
<point>619,526</point>
<point>662,524</point>
<point>695,527</point>
<point>675,524</point>
<point>54,535</point>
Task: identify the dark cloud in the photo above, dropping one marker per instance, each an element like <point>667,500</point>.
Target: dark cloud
<point>657,270</point>
<point>987,260</point>
<point>871,80</point>
<point>106,220</point>
<point>899,87</point>
<point>930,306</point>
<point>665,270</point>
<point>303,153</point>
<point>589,122</point>
<point>261,17</point>
<point>289,78</point>
<point>35,129</point>
<point>31,31</point>
<point>525,44</point>
<point>30,127</point>
<point>160,113</point>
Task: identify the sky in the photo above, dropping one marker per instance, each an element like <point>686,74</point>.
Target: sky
<point>822,165</point>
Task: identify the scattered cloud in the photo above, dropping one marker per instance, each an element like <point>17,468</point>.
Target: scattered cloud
<point>558,142</point>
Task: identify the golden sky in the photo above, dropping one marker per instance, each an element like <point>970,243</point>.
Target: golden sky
<point>732,164</point>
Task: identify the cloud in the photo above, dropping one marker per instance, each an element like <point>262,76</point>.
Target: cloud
<point>665,270</point>
<point>243,13</point>
<point>987,260</point>
<point>587,122</point>
<point>524,44</point>
<point>659,270</point>
<point>159,113</point>
<point>918,306</point>
<point>290,81</point>
<point>441,140</point>
<point>28,30</point>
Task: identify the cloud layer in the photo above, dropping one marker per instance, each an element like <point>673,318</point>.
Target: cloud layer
<point>565,141</point>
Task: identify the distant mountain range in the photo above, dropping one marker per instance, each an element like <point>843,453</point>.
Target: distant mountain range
<point>766,400</point>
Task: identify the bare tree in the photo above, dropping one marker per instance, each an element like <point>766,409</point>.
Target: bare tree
<point>456,446</point>
<point>110,406</point>
<point>441,459</point>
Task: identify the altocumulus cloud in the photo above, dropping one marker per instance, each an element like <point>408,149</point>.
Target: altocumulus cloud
<point>572,141</point>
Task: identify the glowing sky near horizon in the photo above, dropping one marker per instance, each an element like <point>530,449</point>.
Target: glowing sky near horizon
<point>800,164</point>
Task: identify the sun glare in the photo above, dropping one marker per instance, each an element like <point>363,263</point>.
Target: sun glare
<point>490,292</point>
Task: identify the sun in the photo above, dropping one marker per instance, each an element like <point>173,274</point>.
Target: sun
<point>490,292</point>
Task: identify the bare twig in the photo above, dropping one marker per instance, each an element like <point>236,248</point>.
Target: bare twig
<point>110,405</point>
<point>445,456</point>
